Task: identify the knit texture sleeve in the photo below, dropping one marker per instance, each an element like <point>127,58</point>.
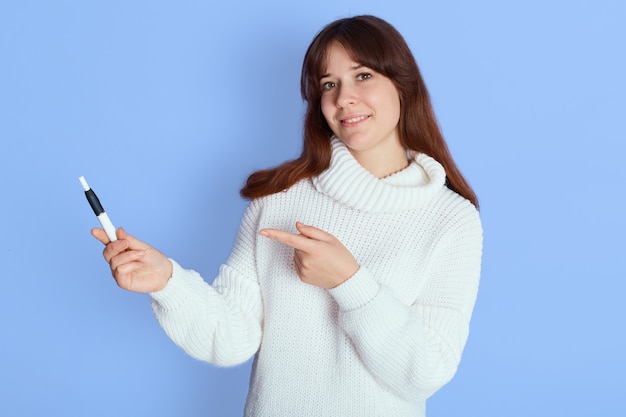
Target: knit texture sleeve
<point>218,323</point>
<point>415,349</point>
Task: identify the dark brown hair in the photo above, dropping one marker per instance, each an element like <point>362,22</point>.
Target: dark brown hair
<point>376,44</point>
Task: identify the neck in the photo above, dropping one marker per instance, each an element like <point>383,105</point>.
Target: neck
<point>351,184</point>
<point>382,164</point>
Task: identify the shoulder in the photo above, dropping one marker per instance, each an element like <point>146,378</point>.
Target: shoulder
<point>300,189</point>
<point>455,215</point>
<point>298,195</point>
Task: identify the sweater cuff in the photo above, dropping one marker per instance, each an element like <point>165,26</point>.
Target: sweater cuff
<point>175,291</point>
<point>355,292</point>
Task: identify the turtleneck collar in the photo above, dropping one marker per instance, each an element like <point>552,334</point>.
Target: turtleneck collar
<point>349,183</point>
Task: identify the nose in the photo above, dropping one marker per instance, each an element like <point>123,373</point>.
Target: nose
<point>346,96</point>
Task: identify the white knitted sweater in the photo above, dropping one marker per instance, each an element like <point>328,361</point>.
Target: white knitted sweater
<point>380,343</point>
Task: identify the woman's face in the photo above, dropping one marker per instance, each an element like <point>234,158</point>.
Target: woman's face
<point>361,106</point>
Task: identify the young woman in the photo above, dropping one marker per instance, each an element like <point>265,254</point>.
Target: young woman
<point>356,266</point>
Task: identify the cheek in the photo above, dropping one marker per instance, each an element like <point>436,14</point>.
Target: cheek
<point>393,104</point>
<point>398,109</point>
<point>390,100</point>
<point>327,109</point>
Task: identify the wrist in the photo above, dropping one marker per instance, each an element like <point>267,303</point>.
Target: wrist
<point>352,272</point>
<point>356,291</point>
<point>169,271</point>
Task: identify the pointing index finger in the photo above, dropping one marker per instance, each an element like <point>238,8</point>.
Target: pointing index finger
<point>290,239</point>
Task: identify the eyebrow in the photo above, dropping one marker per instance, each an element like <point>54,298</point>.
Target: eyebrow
<point>353,68</point>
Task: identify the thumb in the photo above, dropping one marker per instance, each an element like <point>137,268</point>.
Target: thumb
<point>133,242</point>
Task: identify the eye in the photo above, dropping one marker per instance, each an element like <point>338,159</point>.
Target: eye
<point>364,76</point>
<point>328,85</point>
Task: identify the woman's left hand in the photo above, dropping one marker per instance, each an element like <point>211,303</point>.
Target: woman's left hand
<point>320,258</point>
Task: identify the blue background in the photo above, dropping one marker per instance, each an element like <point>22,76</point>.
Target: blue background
<point>166,107</point>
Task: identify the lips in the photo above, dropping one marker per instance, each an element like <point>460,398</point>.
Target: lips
<point>354,119</point>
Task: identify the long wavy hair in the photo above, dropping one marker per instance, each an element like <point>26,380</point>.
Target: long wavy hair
<point>376,44</point>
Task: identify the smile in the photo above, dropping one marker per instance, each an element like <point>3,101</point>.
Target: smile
<point>354,119</point>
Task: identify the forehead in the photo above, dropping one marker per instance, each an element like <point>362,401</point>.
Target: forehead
<point>338,58</point>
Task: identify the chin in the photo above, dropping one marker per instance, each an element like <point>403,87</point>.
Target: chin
<point>355,142</point>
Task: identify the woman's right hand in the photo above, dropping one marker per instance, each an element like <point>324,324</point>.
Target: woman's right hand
<point>135,265</point>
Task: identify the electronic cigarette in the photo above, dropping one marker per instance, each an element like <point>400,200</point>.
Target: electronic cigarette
<point>98,210</point>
